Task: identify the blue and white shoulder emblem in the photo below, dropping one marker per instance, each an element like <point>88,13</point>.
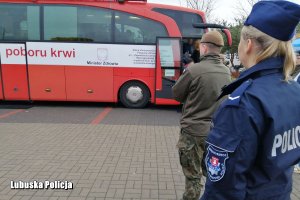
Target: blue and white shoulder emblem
<point>215,163</point>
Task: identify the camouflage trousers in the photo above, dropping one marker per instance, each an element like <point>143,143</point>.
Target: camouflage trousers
<point>191,150</point>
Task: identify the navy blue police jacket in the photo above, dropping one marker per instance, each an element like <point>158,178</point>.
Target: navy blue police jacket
<point>255,137</point>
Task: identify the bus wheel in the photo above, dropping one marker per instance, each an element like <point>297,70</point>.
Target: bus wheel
<point>134,95</point>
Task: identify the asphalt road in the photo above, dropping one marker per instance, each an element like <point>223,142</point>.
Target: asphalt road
<point>87,113</point>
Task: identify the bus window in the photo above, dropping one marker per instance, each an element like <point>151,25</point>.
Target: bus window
<point>19,22</point>
<point>185,21</point>
<point>60,22</point>
<point>68,23</point>
<point>135,29</point>
<point>94,24</point>
<point>33,22</point>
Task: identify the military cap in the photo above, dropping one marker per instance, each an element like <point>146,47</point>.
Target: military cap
<point>277,19</point>
<point>213,37</point>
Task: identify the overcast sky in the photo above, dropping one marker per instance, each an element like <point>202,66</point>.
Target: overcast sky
<point>225,9</point>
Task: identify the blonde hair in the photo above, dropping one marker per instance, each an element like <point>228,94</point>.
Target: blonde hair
<point>268,46</point>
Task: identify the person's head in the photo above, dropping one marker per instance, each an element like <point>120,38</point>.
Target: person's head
<point>268,34</point>
<point>197,45</point>
<point>211,42</point>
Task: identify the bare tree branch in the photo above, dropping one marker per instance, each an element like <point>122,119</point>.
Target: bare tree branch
<point>207,6</point>
<point>179,2</point>
<point>243,8</point>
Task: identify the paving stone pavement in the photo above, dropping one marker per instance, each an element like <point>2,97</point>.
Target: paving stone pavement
<point>102,161</point>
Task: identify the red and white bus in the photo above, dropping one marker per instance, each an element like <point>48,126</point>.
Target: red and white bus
<point>93,50</point>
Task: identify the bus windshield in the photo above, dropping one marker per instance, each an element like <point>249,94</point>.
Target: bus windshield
<point>184,21</point>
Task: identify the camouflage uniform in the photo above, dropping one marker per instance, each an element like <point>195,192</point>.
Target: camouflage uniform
<point>198,89</point>
<point>190,153</point>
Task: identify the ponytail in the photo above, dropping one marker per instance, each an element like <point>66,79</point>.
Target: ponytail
<point>271,47</point>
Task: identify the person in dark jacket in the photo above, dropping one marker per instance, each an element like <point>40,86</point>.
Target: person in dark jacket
<point>188,46</point>
<point>254,140</point>
<point>198,89</point>
<point>196,53</point>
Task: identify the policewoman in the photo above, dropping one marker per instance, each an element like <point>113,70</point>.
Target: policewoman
<point>254,140</point>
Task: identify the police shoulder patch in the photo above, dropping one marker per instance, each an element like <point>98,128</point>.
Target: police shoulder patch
<point>215,163</point>
<point>235,97</point>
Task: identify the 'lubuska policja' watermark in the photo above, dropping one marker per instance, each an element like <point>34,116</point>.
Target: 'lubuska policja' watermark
<point>65,185</point>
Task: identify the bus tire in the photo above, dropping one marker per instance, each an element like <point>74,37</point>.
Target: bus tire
<point>134,94</point>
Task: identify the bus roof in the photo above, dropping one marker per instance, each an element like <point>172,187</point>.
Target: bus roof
<point>143,3</point>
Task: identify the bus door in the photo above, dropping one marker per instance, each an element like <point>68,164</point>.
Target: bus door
<point>14,72</point>
<point>168,68</point>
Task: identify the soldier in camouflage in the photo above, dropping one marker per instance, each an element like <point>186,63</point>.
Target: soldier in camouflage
<point>198,89</point>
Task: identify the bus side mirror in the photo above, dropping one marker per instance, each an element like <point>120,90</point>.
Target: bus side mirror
<point>228,36</point>
<point>224,29</point>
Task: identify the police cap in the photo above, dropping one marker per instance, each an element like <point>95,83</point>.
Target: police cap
<point>277,19</point>
<point>213,37</point>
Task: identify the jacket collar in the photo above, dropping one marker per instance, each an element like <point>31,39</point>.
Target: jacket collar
<point>268,66</point>
<point>211,56</point>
